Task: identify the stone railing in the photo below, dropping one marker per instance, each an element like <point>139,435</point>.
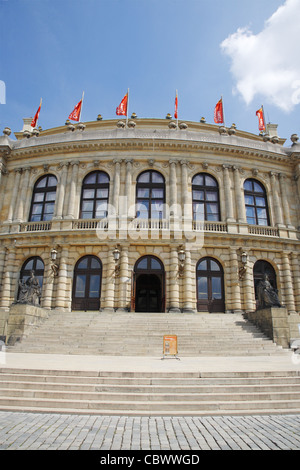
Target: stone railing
<point>263,230</point>
<point>35,226</point>
<point>204,226</point>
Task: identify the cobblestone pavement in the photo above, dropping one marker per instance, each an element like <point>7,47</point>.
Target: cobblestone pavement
<point>37,431</point>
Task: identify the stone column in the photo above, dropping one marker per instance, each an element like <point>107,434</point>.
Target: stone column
<point>186,197</point>
<point>48,284</point>
<point>296,277</point>
<point>62,284</point>
<point>173,281</point>
<point>239,193</point>
<point>248,290</point>
<point>189,287</point>
<point>173,183</point>
<point>289,299</point>
<point>228,194</point>
<point>116,187</point>
<point>74,178</point>
<point>108,290</point>
<point>61,191</point>
<point>285,203</point>
<point>16,185</point>
<point>276,202</point>
<point>7,295</point>
<point>235,300</point>
<point>124,282</point>
<point>22,194</point>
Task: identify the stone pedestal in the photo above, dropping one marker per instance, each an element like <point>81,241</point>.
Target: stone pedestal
<point>21,318</point>
<point>274,323</point>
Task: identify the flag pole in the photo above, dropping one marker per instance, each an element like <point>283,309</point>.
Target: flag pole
<point>223,111</point>
<point>176,107</point>
<point>81,106</point>
<point>263,111</point>
<point>127,107</point>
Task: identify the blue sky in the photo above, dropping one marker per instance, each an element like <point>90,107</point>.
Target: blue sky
<point>246,51</point>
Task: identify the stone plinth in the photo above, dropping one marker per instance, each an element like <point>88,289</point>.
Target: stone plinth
<point>21,318</point>
<point>274,323</point>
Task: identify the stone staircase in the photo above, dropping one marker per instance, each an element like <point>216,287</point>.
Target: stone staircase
<point>136,334</point>
<point>150,393</point>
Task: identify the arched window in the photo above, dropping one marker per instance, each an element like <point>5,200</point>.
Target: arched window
<point>87,283</point>
<point>256,203</point>
<point>36,265</point>
<point>43,199</point>
<point>210,286</point>
<point>150,195</point>
<point>94,196</point>
<point>205,198</point>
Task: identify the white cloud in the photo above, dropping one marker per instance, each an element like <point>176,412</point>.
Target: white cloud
<point>267,64</point>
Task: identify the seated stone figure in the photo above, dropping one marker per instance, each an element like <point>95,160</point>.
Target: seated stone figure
<point>30,291</point>
<point>267,295</point>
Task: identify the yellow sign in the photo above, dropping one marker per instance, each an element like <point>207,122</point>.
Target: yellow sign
<point>170,345</point>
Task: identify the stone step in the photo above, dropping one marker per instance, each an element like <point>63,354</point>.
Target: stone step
<point>137,393</point>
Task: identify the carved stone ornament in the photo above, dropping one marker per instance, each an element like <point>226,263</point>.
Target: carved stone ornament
<point>30,291</point>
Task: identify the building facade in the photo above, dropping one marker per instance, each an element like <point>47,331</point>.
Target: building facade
<point>149,216</point>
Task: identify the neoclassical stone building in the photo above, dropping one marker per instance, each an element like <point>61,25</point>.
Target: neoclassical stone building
<point>149,217</point>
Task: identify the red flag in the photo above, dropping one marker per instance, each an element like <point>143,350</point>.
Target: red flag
<point>176,106</point>
<point>261,120</point>
<point>36,117</point>
<point>75,114</point>
<point>218,115</point>
<point>122,108</point>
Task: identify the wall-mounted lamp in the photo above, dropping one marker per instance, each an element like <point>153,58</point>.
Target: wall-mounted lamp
<point>181,257</point>
<point>243,268</point>
<point>54,266</point>
<point>116,254</point>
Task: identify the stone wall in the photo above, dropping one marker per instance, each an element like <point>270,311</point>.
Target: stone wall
<point>274,323</point>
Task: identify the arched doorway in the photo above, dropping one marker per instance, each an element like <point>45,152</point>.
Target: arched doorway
<point>260,269</point>
<point>148,289</point>
<point>87,284</point>
<point>210,286</point>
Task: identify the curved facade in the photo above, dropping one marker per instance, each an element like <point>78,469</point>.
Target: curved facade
<point>150,217</point>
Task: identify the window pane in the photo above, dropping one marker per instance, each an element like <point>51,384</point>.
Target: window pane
<point>52,181</point>
<point>37,209</point>
<point>102,193</point>
<point>216,288</point>
<point>29,265</point>
<point>39,197</point>
<point>198,180</point>
<point>42,183</point>
<point>103,178</point>
<point>88,194</point>
<point>95,263</point>
<point>258,188</point>
<point>158,193</point>
<point>211,196</point>
<point>198,195</point>
<point>94,285</point>
<point>90,179</point>
<point>80,285</point>
<point>214,266</point>
<point>83,264</point>
<point>86,215</point>
<point>155,264</point>
<point>250,212</point>
<point>49,208</point>
<point>209,181</point>
<point>39,264</point>
<point>144,178</point>
<point>260,201</point>
<point>142,264</point>
<point>143,192</point>
<point>249,200</point>
<point>202,288</point>
<point>212,208</point>
<point>202,266</point>
<point>50,196</point>
<point>248,185</point>
<point>261,213</point>
<point>87,206</point>
<point>157,178</point>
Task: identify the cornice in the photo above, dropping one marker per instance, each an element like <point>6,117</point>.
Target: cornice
<point>161,141</point>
